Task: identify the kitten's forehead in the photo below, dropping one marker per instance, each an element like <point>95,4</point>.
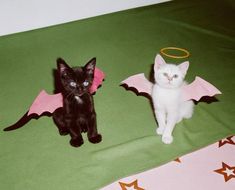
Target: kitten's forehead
<point>77,69</point>
<point>170,68</point>
<point>79,73</point>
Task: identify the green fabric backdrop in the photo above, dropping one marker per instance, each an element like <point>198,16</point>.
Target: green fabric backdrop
<point>125,43</point>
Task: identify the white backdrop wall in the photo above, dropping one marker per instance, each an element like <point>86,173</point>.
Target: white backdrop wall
<point>23,15</point>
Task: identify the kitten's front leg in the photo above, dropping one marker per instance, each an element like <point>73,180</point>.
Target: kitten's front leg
<point>161,120</point>
<point>74,130</point>
<point>171,121</point>
<point>58,117</point>
<point>92,133</point>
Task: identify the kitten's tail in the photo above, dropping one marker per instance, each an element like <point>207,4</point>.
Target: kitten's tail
<point>20,123</point>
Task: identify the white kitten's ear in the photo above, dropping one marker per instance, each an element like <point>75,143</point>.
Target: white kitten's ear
<point>158,62</point>
<point>184,67</point>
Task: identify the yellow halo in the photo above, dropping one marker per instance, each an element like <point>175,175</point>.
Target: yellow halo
<point>175,56</point>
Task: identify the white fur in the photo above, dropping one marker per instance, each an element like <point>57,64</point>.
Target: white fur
<point>79,100</point>
<point>169,106</point>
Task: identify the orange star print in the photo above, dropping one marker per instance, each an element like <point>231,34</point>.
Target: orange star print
<point>134,184</point>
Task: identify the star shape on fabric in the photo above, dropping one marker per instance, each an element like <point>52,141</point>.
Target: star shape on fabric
<point>177,160</point>
<point>228,140</point>
<point>130,186</point>
<point>227,171</point>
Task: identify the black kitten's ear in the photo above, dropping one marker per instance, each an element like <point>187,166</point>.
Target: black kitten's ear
<point>90,66</point>
<point>62,65</point>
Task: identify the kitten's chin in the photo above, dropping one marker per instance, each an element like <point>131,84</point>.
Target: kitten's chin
<point>169,86</point>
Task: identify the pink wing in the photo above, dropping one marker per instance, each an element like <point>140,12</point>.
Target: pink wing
<point>199,88</point>
<point>140,83</point>
<point>49,103</point>
<point>46,103</point>
<point>98,79</point>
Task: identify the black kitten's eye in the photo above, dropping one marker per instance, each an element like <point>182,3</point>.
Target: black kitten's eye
<point>72,84</point>
<point>85,83</point>
<point>175,76</point>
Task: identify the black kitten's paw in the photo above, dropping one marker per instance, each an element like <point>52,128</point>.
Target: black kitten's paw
<point>96,139</point>
<point>63,132</point>
<point>84,129</point>
<point>76,142</point>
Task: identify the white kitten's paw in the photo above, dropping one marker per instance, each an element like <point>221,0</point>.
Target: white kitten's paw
<point>159,130</point>
<point>167,139</point>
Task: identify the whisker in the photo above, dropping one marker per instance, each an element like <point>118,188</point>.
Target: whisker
<point>69,95</point>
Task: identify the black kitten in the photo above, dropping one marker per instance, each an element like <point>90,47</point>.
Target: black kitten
<point>78,113</point>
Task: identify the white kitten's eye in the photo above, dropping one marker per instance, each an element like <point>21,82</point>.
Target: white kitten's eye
<point>176,76</point>
<point>73,84</point>
<point>85,83</point>
<point>165,74</point>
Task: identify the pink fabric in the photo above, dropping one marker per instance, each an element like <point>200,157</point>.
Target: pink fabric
<point>46,103</point>
<point>193,91</point>
<point>98,79</point>
<point>199,88</point>
<point>140,83</point>
<point>210,168</point>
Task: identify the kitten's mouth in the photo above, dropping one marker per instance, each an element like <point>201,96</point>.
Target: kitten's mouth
<point>78,94</point>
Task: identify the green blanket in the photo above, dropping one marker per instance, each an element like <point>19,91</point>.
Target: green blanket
<point>125,43</point>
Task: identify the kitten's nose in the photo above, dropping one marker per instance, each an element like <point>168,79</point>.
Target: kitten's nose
<point>79,90</point>
<point>170,78</point>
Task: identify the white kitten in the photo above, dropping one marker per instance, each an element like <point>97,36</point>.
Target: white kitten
<point>167,98</point>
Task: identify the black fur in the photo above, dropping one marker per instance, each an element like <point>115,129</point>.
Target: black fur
<point>78,113</point>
